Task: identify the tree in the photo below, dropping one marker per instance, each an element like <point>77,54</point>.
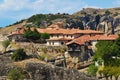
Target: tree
<point>109,51</point>
<point>105,72</point>
<point>110,71</point>
<point>116,72</point>
<point>15,74</point>
<point>32,35</point>
<point>45,36</point>
<point>117,45</point>
<point>19,54</point>
<point>5,44</point>
<point>104,48</point>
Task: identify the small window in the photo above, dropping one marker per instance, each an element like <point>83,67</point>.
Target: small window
<point>17,37</point>
<point>49,43</point>
<point>52,43</point>
<point>62,43</point>
<point>57,35</point>
<point>51,35</point>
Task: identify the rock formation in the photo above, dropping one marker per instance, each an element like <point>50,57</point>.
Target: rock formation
<point>40,71</point>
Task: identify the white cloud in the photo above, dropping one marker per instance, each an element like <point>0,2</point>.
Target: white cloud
<point>41,5</point>
<point>20,9</point>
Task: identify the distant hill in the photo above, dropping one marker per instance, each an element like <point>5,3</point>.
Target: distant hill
<point>107,20</point>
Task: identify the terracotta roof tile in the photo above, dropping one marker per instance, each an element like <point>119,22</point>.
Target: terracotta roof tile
<point>80,40</point>
<point>85,38</point>
<point>21,31</point>
<point>96,37</point>
<point>77,42</point>
<point>64,31</point>
<point>67,31</point>
<point>104,37</point>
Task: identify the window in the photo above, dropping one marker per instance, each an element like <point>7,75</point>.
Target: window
<point>67,35</point>
<point>49,43</point>
<point>62,43</point>
<point>57,35</point>
<point>52,43</point>
<point>51,35</point>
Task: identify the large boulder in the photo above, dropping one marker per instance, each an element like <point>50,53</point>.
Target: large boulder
<point>40,71</point>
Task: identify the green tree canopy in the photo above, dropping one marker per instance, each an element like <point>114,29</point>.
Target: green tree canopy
<point>45,36</point>
<point>104,48</point>
<point>109,51</point>
<point>32,35</point>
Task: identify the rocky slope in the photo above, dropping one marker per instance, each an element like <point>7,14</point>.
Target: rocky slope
<point>38,70</point>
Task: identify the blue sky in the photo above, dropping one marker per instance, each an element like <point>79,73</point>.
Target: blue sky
<point>15,10</point>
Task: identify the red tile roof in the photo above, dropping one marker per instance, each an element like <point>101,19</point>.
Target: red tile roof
<point>67,31</point>
<point>20,31</point>
<point>80,40</point>
<point>55,29</point>
<point>104,37</point>
<point>90,32</point>
<point>85,38</point>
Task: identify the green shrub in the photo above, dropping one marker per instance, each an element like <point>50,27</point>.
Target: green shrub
<point>111,71</point>
<point>116,14</point>
<point>83,12</point>
<point>94,12</point>
<point>42,57</point>
<point>107,12</point>
<point>19,54</point>
<point>5,44</point>
<point>32,35</point>
<point>45,36</point>
<point>92,70</point>
<point>15,74</point>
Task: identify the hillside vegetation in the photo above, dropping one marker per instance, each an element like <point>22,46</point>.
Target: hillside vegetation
<point>87,18</point>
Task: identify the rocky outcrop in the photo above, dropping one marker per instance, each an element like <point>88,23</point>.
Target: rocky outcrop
<point>44,72</point>
<point>40,71</point>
